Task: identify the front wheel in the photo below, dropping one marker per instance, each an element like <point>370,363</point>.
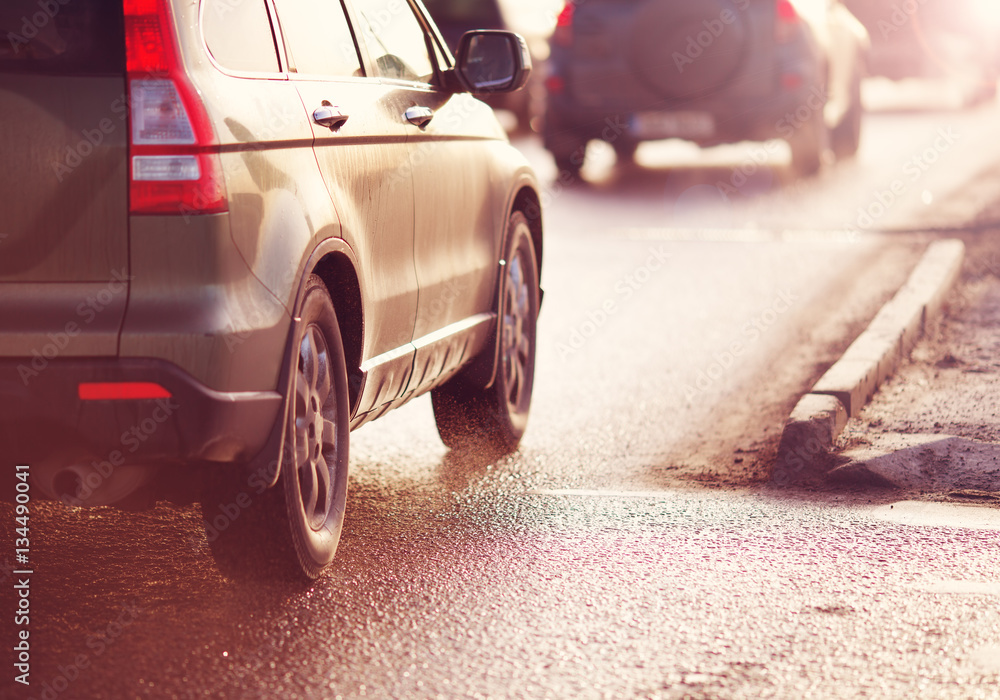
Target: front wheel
<point>496,417</point>
<point>292,529</point>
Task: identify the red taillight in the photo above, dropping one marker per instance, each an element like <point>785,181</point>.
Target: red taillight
<point>174,156</point>
<point>563,35</point>
<point>786,21</point>
<point>121,391</point>
<point>149,49</point>
<point>565,18</point>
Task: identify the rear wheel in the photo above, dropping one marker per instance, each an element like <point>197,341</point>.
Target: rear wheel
<point>845,138</point>
<point>292,529</point>
<point>496,417</point>
<point>625,149</point>
<point>569,159</point>
<point>809,143</point>
<point>567,146</point>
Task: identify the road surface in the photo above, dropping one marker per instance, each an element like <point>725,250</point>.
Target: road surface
<point>632,547</point>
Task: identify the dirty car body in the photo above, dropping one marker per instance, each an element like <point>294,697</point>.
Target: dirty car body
<point>234,232</point>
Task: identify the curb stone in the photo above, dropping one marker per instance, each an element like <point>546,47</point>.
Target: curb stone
<point>842,392</point>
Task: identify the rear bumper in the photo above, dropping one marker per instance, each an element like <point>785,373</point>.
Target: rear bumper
<point>42,418</point>
<point>752,106</point>
<point>748,119</point>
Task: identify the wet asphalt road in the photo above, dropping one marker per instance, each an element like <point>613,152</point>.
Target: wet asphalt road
<point>631,547</point>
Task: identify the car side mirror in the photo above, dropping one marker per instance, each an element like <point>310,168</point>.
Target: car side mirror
<point>491,61</point>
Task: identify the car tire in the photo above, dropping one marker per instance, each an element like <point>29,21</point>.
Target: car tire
<point>568,148</point>
<point>986,91</point>
<point>809,143</point>
<point>845,138</point>
<point>625,150</point>
<point>291,530</point>
<point>569,162</point>
<point>494,418</point>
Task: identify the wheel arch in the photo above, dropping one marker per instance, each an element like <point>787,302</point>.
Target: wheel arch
<point>527,202</point>
<point>334,263</point>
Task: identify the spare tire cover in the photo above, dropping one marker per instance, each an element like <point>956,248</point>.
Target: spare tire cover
<point>686,47</point>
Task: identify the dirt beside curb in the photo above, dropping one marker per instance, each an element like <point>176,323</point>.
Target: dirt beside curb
<point>934,428</point>
<point>818,419</point>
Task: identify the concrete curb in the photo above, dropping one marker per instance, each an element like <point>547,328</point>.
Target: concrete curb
<point>842,392</point>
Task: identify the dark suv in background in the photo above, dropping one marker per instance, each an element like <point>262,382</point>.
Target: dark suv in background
<point>708,71</point>
<point>235,231</point>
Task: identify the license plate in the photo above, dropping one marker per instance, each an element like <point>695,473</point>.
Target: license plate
<point>666,125</point>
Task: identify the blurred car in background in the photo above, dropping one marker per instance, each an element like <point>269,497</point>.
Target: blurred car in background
<point>934,39</point>
<point>456,17</point>
<point>708,71</point>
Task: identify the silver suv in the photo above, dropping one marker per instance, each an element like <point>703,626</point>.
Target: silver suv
<point>235,231</point>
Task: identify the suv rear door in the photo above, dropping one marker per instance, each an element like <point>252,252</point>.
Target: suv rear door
<point>64,209</point>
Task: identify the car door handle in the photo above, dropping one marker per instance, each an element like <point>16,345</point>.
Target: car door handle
<point>329,116</point>
<point>420,116</point>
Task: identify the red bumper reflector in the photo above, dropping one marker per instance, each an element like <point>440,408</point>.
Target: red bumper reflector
<point>122,391</point>
<point>791,81</point>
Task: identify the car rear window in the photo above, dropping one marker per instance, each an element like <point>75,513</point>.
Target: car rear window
<point>63,37</point>
<point>474,13</point>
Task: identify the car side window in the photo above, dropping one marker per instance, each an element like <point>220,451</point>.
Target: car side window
<point>75,38</point>
<point>318,38</point>
<point>395,41</point>
<point>238,35</point>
